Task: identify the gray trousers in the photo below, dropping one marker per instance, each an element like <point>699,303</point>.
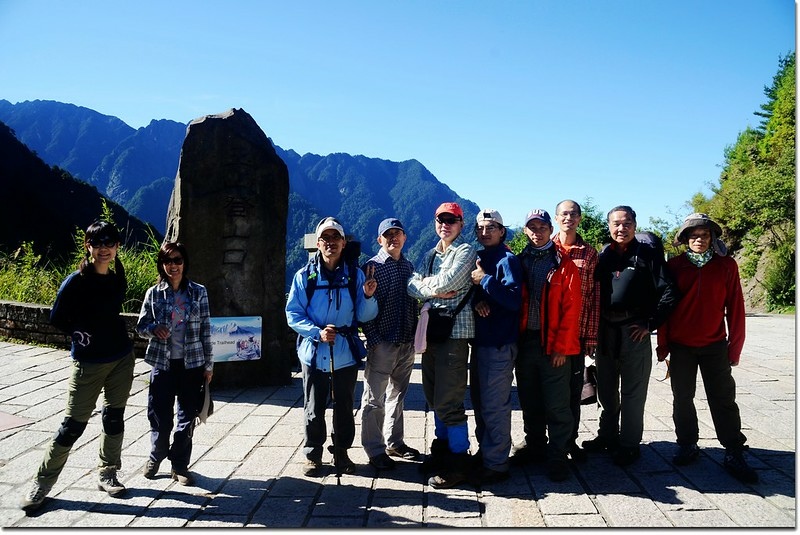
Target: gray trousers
<point>623,373</point>
<point>444,379</point>
<point>386,377</point>
<point>491,375</point>
<point>543,397</point>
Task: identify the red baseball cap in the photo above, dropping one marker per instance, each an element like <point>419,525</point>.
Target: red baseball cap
<point>450,208</point>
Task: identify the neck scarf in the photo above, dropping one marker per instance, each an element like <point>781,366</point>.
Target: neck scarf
<point>699,259</point>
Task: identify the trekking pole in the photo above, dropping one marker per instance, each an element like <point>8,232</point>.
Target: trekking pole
<point>336,463</point>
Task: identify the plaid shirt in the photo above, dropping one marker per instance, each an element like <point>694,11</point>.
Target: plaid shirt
<point>450,270</point>
<point>584,256</point>
<point>156,310</point>
<point>537,263</point>
<point>397,311</point>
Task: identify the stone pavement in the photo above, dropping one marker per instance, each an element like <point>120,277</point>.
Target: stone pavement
<point>248,461</point>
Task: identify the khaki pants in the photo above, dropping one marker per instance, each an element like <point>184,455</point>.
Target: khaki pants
<point>85,384</point>
<point>386,377</point>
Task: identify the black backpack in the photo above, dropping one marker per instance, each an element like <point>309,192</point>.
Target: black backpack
<point>653,241</point>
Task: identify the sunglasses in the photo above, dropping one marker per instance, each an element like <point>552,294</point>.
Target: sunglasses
<point>102,242</point>
<point>448,220</point>
<point>178,261</point>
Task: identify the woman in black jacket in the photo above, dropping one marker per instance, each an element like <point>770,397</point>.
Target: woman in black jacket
<point>88,307</point>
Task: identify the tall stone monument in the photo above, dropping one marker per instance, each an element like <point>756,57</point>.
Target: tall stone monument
<point>229,206</point>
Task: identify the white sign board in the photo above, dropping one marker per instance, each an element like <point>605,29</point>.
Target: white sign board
<point>236,338</point>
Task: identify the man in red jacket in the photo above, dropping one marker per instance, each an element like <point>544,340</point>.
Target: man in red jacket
<point>551,304</point>
<point>695,335</point>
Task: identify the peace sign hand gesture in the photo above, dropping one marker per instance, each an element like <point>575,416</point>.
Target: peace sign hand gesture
<point>370,285</point>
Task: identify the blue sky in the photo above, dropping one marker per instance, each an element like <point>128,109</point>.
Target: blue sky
<point>513,104</point>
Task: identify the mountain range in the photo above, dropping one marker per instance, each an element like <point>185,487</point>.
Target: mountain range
<point>43,205</point>
<point>136,168</point>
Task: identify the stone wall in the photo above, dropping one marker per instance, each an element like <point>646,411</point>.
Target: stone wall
<point>31,323</point>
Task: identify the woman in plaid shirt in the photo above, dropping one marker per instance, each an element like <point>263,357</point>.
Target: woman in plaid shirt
<point>175,317</point>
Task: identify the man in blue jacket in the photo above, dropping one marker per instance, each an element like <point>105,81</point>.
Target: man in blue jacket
<point>327,323</point>
<point>497,276</point>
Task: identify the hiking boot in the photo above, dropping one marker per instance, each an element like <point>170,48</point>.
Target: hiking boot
<point>527,454</point>
<point>108,481</point>
<point>558,470</point>
<point>150,469</point>
<point>598,444</point>
<point>35,497</point>
<point>456,471</point>
<point>404,451</point>
<point>736,466</point>
<point>576,453</point>
<point>486,476</point>
<point>312,467</point>
<point>343,462</point>
<point>435,461</point>
<point>625,456</point>
<point>687,453</point>
<point>183,476</point>
<point>382,462</point>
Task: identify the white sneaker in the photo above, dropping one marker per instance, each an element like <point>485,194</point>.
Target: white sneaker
<point>33,500</point>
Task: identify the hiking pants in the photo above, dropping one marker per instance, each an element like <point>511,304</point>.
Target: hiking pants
<point>544,395</point>
<point>317,389</point>
<point>623,372</point>
<point>85,384</point>
<point>720,391</point>
<point>491,375</point>
<point>387,374</point>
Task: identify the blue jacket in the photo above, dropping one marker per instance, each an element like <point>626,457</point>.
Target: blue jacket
<point>501,288</point>
<point>330,305</point>
<point>156,309</point>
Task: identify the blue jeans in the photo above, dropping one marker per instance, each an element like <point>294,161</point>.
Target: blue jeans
<point>165,386</point>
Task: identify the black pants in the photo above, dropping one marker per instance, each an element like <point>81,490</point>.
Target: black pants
<point>720,391</point>
<point>165,386</point>
<point>575,391</point>
<point>317,387</point>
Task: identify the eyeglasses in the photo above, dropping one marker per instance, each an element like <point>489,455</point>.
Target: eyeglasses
<point>489,228</point>
<point>451,220</point>
<point>573,213</point>
<point>699,237</point>
<point>102,242</point>
<point>178,261</point>
<point>330,238</point>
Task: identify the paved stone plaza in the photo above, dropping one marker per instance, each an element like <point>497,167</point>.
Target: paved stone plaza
<point>248,461</point>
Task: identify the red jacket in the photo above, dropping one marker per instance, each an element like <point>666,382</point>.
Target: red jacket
<point>560,306</point>
<point>711,297</point>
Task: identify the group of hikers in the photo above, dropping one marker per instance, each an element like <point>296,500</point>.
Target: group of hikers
<point>490,316</point>
<point>487,317</point>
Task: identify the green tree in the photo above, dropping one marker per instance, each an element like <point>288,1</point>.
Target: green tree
<point>594,226</point>
<point>754,201</point>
